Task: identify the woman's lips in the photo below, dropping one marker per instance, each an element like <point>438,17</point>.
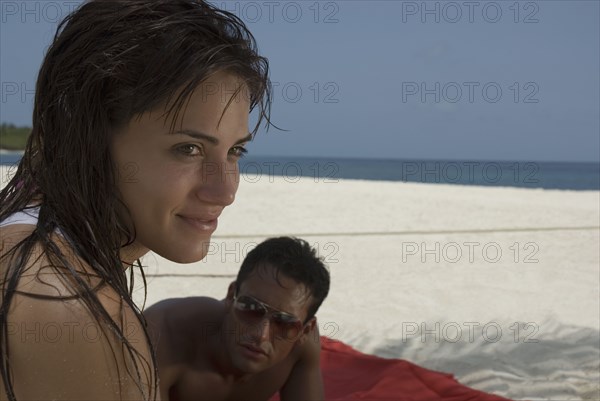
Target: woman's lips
<point>201,224</point>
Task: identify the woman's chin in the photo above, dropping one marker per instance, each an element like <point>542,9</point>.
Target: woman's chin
<point>184,256</point>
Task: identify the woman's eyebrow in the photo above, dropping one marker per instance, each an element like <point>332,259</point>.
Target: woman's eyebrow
<point>198,135</point>
<point>213,140</point>
<point>247,138</point>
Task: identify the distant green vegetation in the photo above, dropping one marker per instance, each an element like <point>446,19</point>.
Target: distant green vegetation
<point>13,137</point>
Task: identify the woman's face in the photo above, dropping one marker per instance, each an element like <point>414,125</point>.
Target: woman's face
<point>176,184</point>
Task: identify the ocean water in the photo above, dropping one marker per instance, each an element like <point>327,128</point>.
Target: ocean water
<point>524,174</point>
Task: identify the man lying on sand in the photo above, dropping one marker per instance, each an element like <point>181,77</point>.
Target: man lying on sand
<point>262,338</point>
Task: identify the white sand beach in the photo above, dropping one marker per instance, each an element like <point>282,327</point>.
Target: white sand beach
<point>498,286</point>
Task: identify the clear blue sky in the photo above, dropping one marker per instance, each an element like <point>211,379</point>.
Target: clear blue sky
<point>475,80</point>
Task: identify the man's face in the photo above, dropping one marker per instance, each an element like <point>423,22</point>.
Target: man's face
<point>254,347</point>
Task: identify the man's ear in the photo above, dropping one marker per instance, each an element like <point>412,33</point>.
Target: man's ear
<point>309,331</point>
<point>230,292</point>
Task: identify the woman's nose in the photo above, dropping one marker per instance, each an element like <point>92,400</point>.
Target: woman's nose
<point>219,183</point>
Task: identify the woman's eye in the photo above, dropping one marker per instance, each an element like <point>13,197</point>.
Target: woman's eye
<point>190,150</point>
<point>238,151</point>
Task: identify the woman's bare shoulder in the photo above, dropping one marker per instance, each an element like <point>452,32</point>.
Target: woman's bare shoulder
<point>49,288</point>
<point>11,235</point>
<point>58,350</point>
<point>57,347</point>
<point>39,275</point>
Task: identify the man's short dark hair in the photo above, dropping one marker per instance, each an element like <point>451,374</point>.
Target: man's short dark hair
<point>295,259</point>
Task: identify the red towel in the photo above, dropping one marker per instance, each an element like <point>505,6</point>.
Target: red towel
<point>351,375</point>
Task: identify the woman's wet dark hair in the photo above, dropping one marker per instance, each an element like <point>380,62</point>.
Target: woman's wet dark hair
<point>111,61</point>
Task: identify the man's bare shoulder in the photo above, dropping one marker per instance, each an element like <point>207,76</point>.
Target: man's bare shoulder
<point>175,324</point>
<point>186,305</point>
<point>185,311</point>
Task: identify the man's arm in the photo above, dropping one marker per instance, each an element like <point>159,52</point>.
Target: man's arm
<point>305,382</point>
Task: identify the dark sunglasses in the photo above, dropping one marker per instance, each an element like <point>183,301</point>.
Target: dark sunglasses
<point>252,312</point>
